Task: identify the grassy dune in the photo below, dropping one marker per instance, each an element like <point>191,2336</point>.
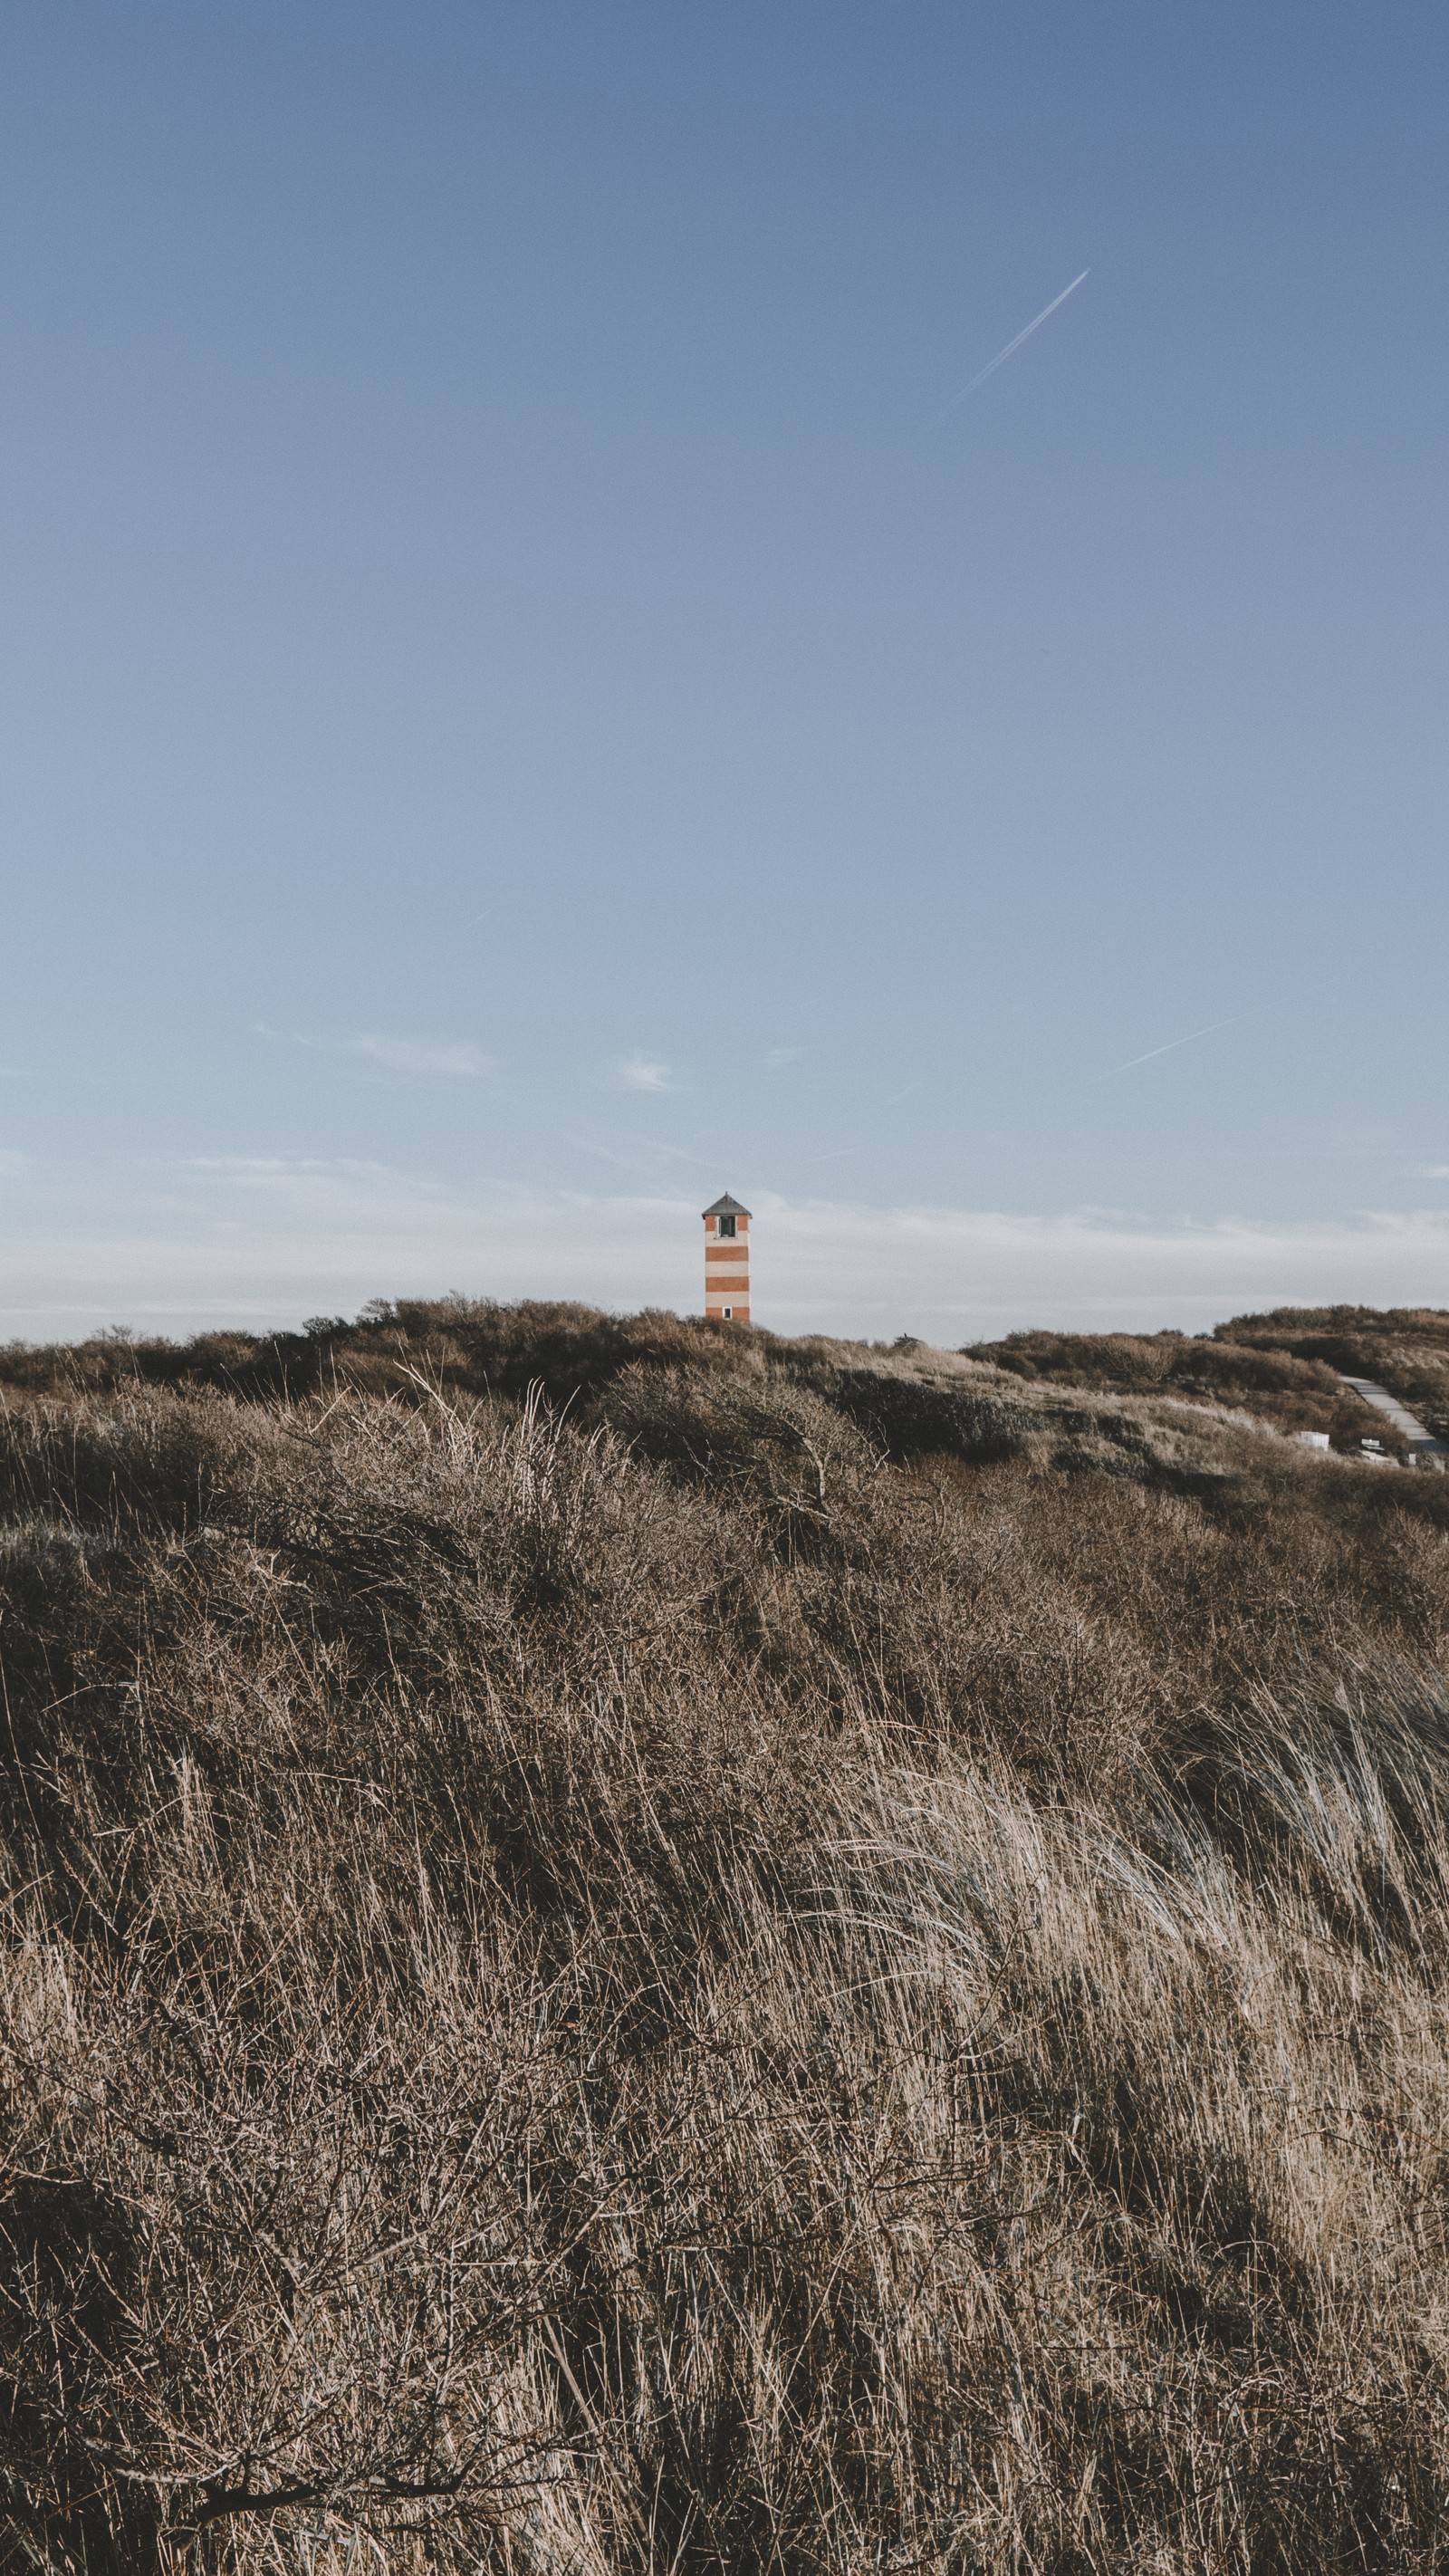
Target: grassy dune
<point>632,1947</point>
<point>1287,1367</point>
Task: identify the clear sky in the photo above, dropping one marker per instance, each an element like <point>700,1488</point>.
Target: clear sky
<point>527,700</point>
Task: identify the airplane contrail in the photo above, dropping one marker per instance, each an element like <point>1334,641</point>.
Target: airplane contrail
<point>1162,1050</point>
<point>1011,347</point>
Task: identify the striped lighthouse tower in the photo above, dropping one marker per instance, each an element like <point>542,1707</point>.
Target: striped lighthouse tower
<point>727,1261</point>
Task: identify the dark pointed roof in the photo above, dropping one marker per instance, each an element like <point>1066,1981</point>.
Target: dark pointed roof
<point>726,1207</point>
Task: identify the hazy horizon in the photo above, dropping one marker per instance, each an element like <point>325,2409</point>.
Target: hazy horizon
<point>264,1245</point>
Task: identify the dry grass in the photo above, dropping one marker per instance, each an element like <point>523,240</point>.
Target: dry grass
<point>1287,1367</point>
<point>660,1992</point>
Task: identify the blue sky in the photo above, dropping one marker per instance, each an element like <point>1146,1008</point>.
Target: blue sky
<point>521,712</point>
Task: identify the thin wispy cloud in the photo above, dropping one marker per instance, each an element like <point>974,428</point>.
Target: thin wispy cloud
<point>628,1149</point>
<point>1429,1171</point>
<point>1172,1044</point>
<point>450,1059</point>
<point>1010,349</point>
<point>457,1061</point>
<point>645,1073</point>
<point>269,1171</point>
<point>779,1057</point>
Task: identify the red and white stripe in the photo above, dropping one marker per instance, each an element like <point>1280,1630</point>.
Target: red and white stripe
<point>727,1272</point>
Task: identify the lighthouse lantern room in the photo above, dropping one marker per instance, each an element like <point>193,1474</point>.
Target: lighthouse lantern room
<point>727,1261</point>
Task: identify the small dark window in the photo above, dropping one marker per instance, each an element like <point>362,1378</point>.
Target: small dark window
<point>729,1314</point>
<point>726,1225</point>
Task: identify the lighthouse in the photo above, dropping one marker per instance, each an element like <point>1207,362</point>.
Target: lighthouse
<point>727,1261</point>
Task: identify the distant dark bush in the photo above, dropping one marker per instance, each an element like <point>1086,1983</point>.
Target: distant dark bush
<point>910,1417</point>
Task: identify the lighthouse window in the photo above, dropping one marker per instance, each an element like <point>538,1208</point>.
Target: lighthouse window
<point>727,1226</point>
<point>729,1314</point>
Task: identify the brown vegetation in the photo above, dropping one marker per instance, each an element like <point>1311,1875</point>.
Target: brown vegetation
<point>638,1948</point>
<point>1287,1367</point>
